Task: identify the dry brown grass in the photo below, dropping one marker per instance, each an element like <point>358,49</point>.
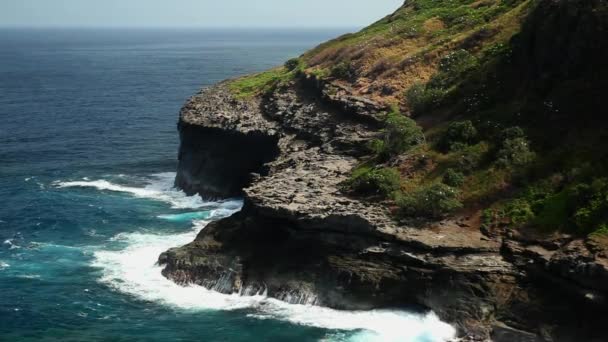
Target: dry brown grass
<point>433,24</point>
<point>388,63</point>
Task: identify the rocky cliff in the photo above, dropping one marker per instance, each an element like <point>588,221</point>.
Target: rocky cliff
<point>302,238</point>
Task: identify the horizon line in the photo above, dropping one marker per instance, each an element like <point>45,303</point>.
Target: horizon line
<point>178,27</point>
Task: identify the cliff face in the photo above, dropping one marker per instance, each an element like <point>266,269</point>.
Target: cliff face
<point>302,239</point>
<point>206,141</point>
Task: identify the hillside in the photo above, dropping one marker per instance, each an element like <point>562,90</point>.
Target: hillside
<point>451,156</point>
<point>507,93</point>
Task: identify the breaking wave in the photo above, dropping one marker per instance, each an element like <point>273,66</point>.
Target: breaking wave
<point>128,265</point>
<point>158,187</point>
<point>134,271</point>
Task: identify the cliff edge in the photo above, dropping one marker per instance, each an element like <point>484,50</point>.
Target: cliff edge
<point>289,139</point>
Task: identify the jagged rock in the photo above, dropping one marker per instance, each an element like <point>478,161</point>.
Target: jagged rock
<point>300,239</point>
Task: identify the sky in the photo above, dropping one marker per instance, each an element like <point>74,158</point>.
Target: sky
<point>194,13</point>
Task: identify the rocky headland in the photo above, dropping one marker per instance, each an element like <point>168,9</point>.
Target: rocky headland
<point>302,238</point>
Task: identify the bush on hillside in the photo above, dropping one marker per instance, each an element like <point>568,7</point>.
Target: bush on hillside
<point>452,68</point>
<point>422,99</point>
<point>590,206</point>
<point>401,133</point>
<point>293,64</point>
<point>372,181</point>
<point>343,70</point>
<point>458,136</point>
<point>433,201</point>
<point>453,178</point>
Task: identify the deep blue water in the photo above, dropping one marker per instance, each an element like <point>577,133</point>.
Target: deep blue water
<point>87,153</point>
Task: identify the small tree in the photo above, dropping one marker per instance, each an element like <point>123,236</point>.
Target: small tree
<point>458,136</point>
<point>293,64</point>
<point>514,148</point>
<point>401,133</point>
<point>515,152</point>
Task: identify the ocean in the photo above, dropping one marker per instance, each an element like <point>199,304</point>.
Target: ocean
<point>88,147</point>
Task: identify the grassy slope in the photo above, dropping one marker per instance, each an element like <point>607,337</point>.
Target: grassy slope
<point>497,64</point>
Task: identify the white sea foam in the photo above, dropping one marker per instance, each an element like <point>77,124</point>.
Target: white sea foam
<point>133,271</point>
<point>10,244</point>
<point>4,265</point>
<point>158,187</point>
<point>28,276</point>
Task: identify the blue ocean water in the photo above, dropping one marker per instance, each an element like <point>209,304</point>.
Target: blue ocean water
<point>87,157</point>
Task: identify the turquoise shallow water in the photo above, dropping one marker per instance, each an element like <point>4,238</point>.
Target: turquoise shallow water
<point>87,153</point>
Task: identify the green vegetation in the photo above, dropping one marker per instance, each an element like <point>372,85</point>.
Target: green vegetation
<point>432,201</point>
<point>264,82</point>
<point>504,124</point>
<point>343,70</point>
<point>467,159</point>
<point>589,204</point>
<point>374,181</point>
<point>580,208</point>
<point>452,68</point>
<point>452,16</point>
<point>399,135</point>
<point>422,99</point>
<point>515,152</point>
<point>453,178</point>
<point>294,64</point>
<point>459,135</point>
<point>515,149</point>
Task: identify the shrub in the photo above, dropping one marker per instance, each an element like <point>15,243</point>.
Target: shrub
<point>470,157</point>
<point>458,136</point>
<point>371,181</point>
<point>401,133</point>
<point>590,204</point>
<point>293,64</point>
<point>519,212</point>
<point>452,67</point>
<point>515,152</point>
<point>580,208</point>
<point>422,99</point>
<point>433,201</point>
<point>453,178</point>
<point>514,148</point>
<point>512,133</point>
<point>343,70</point>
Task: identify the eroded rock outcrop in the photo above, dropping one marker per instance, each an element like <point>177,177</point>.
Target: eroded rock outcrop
<point>300,239</point>
<point>207,141</point>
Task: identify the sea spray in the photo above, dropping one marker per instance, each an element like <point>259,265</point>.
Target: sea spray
<point>157,187</point>
<point>128,265</point>
<point>133,270</point>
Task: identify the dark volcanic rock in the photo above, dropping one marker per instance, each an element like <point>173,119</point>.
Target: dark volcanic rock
<point>302,240</point>
<point>207,140</point>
